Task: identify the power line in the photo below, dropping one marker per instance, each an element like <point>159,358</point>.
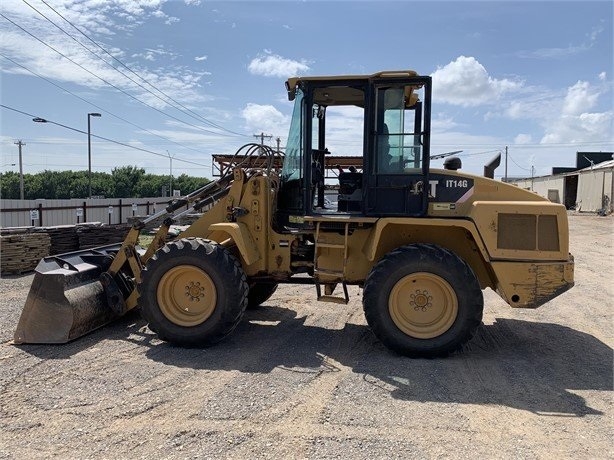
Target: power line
<point>479,153</point>
<point>101,166</point>
<point>97,106</point>
<point>111,84</point>
<point>43,120</point>
<point>200,117</point>
<point>182,108</point>
<point>513,161</point>
<point>561,144</point>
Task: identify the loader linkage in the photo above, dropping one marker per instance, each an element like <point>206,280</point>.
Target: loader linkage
<point>74,293</point>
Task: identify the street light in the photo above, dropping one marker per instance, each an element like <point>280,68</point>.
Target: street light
<point>89,153</point>
<point>5,165</point>
<point>35,120</point>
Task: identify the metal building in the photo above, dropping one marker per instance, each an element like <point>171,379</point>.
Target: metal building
<point>589,189</point>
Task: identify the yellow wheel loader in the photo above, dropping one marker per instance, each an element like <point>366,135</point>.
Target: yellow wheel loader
<point>422,243</point>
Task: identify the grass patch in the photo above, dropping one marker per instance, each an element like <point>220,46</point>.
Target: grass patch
<point>145,240</point>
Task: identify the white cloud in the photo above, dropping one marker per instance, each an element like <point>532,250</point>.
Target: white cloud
<point>523,139</point>
<point>151,54</point>
<point>597,124</point>
<point>552,53</point>
<point>580,97</point>
<point>532,103</point>
<point>273,65</point>
<point>344,130</point>
<point>441,123</point>
<point>265,118</point>
<point>466,82</point>
<point>575,123</point>
<point>603,76</point>
<point>563,52</point>
<point>585,127</point>
<point>516,110</point>
<point>100,21</point>
<point>200,58</point>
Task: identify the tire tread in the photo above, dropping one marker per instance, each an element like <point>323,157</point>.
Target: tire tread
<point>230,273</point>
<point>406,256</point>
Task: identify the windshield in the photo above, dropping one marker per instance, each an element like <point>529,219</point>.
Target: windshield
<point>292,168</point>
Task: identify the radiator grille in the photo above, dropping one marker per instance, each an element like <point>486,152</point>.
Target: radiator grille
<point>548,233</point>
<point>527,232</point>
<point>517,231</point>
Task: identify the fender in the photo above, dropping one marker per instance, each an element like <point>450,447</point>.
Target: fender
<point>372,244</point>
<point>241,236</point>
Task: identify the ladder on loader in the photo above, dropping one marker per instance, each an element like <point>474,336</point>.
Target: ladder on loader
<point>329,287</point>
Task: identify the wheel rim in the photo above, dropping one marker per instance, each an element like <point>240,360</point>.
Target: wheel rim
<point>423,305</point>
<point>186,295</point>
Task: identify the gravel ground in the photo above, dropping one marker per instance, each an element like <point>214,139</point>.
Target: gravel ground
<point>300,379</point>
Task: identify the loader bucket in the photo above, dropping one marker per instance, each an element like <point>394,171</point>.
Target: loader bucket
<point>66,299</point>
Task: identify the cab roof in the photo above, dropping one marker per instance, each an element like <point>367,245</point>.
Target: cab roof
<point>336,94</point>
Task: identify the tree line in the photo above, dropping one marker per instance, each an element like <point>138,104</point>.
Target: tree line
<point>123,182</point>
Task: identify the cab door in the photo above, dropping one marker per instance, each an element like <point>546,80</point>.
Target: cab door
<point>397,149</point>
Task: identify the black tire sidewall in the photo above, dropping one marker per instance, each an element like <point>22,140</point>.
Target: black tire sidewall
<point>260,292</point>
<point>437,261</point>
<point>227,276</point>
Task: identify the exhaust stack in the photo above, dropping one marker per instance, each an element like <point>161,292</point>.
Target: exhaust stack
<point>489,168</point>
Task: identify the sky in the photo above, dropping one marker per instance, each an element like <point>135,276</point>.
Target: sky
<point>176,81</point>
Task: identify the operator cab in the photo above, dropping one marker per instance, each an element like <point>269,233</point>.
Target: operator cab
<point>395,147</point>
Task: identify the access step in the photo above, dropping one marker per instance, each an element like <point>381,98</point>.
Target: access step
<point>332,298</point>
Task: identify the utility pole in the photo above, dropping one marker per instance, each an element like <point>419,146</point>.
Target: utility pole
<point>89,154</point>
<point>505,163</point>
<point>278,140</point>
<point>170,189</point>
<point>19,144</point>
<point>262,136</point>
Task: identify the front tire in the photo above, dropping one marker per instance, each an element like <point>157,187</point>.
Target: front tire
<point>193,292</point>
<point>260,293</point>
<point>422,300</point>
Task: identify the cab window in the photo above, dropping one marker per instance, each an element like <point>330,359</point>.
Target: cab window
<point>398,148</point>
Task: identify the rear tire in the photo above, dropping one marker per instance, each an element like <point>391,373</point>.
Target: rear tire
<point>260,293</point>
<point>193,292</point>
<point>422,300</point>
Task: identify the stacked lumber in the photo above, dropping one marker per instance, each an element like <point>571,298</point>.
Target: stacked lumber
<point>91,236</point>
<point>21,252</point>
<point>63,238</point>
<point>188,219</point>
<point>21,248</point>
<point>15,230</point>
